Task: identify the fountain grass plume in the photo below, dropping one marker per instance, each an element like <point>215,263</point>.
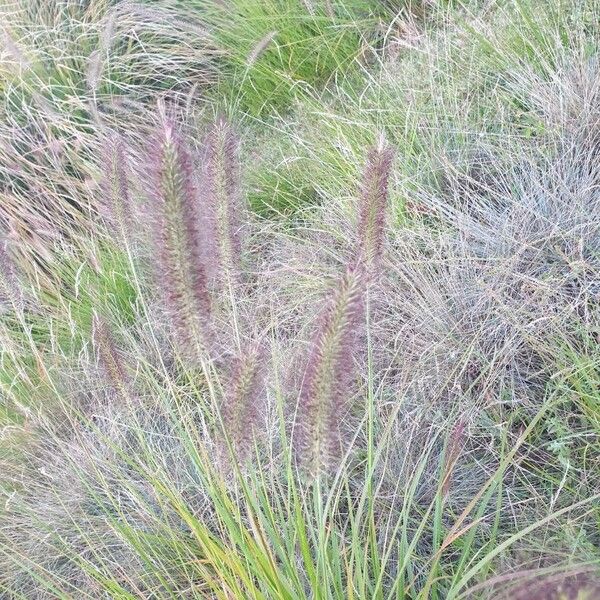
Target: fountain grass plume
<point>373,205</point>
<point>111,363</point>
<point>10,289</point>
<point>222,194</point>
<point>453,450</point>
<point>242,401</point>
<point>181,269</point>
<point>115,187</point>
<point>577,586</point>
<point>329,375</point>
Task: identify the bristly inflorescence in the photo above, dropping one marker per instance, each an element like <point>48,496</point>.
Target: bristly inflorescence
<point>329,375</point>
<point>111,363</point>
<point>330,368</point>
<point>221,196</point>
<point>181,270</point>
<point>241,406</point>
<point>373,206</point>
<point>577,586</point>
<point>453,450</point>
<point>10,289</point>
<point>115,188</point>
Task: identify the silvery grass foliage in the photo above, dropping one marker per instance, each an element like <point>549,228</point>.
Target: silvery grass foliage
<point>369,422</point>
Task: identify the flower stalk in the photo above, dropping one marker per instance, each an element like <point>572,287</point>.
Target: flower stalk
<point>223,198</point>
<point>240,408</point>
<point>373,206</point>
<point>329,375</point>
<point>116,190</point>
<point>179,237</point>
<point>112,365</point>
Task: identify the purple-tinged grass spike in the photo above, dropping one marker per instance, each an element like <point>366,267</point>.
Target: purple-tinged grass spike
<point>110,361</point>
<point>10,288</point>
<point>329,375</point>
<point>180,266</point>
<point>222,194</point>
<point>373,206</point>
<point>241,405</point>
<point>260,48</point>
<point>455,444</point>
<point>116,190</point>
<point>558,586</point>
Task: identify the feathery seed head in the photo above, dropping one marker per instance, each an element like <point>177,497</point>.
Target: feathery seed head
<point>116,189</point>
<point>10,289</point>
<point>221,196</point>
<point>241,404</point>
<point>453,450</point>
<point>373,205</point>
<point>329,375</point>
<point>180,262</point>
<point>109,359</point>
<point>557,587</point>
<point>260,48</point>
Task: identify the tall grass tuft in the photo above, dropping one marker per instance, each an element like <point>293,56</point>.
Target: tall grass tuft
<point>70,71</point>
<point>446,443</point>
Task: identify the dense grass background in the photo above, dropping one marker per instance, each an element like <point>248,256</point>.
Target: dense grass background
<point>246,353</point>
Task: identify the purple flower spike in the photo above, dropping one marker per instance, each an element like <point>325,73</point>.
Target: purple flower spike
<point>179,235</point>
<point>10,289</point>
<point>116,189</point>
<point>222,195</point>
<point>240,409</point>
<point>110,361</point>
<point>373,206</point>
<point>329,375</point>
<point>455,444</point>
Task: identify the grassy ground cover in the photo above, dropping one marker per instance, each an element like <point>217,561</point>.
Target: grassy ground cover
<point>300,299</point>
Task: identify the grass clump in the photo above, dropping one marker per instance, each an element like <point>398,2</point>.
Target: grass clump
<point>278,49</point>
<point>445,89</point>
<point>70,71</point>
<point>391,393</point>
<point>369,464</point>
